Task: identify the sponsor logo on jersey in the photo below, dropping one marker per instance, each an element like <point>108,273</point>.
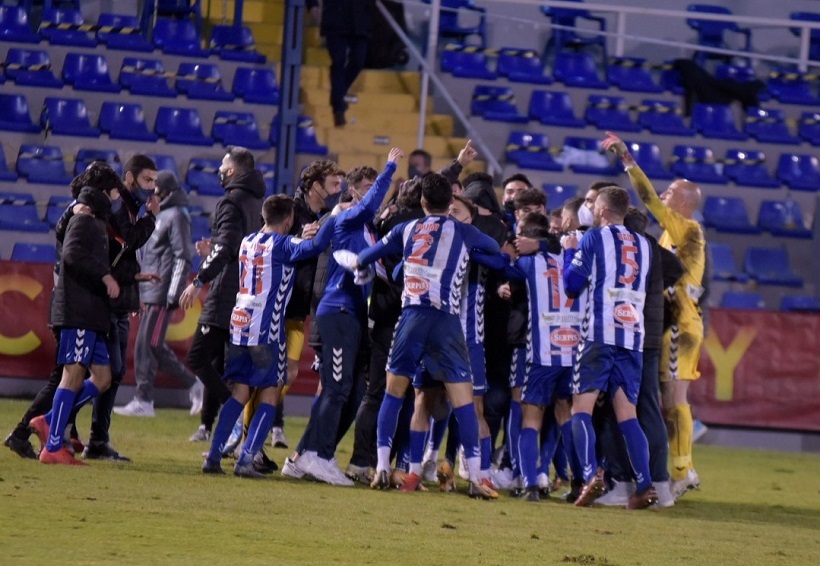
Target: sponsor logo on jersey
<point>416,286</point>
<point>626,314</point>
<point>565,337</point>
<point>240,318</point>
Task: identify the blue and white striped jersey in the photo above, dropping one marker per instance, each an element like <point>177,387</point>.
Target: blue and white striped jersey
<point>472,304</point>
<point>611,267</point>
<point>266,272</point>
<point>436,252</point>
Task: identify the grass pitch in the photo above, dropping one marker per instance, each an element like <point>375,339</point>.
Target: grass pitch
<point>754,507</point>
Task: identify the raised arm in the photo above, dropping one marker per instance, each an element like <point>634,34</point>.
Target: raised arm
<point>365,210</point>
<point>304,249</point>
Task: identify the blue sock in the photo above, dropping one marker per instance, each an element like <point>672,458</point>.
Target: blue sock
<point>227,418</point>
<point>401,438</point>
<point>559,457</point>
<point>416,449</point>
<point>257,432</point>
<point>528,455</point>
<point>452,439</point>
<point>468,430</point>
<point>60,410</point>
<point>513,432</point>
<point>638,450</point>
<point>88,392</point>
<point>438,430</point>
<point>569,449</point>
<point>549,441</point>
<point>386,428</point>
<point>583,435</point>
<point>486,453</point>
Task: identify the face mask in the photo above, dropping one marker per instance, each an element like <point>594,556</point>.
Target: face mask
<point>412,172</point>
<point>332,200</point>
<point>116,205</point>
<point>585,216</point>
<point>143,194</point>
<point>223,178</point>
<point>509,206</point>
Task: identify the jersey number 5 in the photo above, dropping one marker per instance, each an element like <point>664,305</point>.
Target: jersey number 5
<point>631,268</point>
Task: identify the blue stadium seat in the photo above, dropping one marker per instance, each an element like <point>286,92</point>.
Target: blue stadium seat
<point>125,122</point>
<point>768,125</point>
<point>14,114</point>
<point>727,214</point>
<point>14,26</point>
<point>256,86</point>
<point>19,212</point>
<point>201,81</point>
<point>165,162</point>
<point>792,303</point>
<point>770,266</point>
<point>748,168</point>
<point>86,157</point>
<point>181,125</point>
<point>462,62</point>
<point>56,207</point>
<point>670,78</point>
<point>648,156</point>
<point>663,117</point>
<point>145,77</point>
<point>782,218</point>
<point>792,88</point>
<point>5,173</point>
<point>737,73</point>
<point>42,164</point>
<point>553,108</point>
<point>697,164</point>
<point>809,127</point>
<point>235,43</point>
<point>306,141</point>
<point>723,266</point>
<point>522,66</point>
<point>202,176</point>
<point>716,121</point>
<point>598,162</point>
<point>557,195</point>
<point>563,30</point>
<point>609,113</point>
<point>531,151</point>
<point>122,41</point>
<point>55,36</point>
<point>268,171</point>
<point>178,37</point>
<point>814,35</point>
<point>577,70</point>
<point>88,71</point>
<point>745,301</point>
<point>630,74</point>
<point>30,67</point>
<point>799,172</point>
<point>496,103</point>
<point>237,128</point>
<point>711,32</point>
<point>449,26</point>
<point>33,253</point>
<point>67,117</point>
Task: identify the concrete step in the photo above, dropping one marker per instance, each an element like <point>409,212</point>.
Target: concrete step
<point>343,140</point>
<point>369,101</point>
<point>359,118</point>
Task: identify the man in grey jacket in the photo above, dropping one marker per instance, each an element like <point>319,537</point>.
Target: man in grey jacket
<point>168,253</point>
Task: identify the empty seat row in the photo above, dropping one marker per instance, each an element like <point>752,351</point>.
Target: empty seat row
<point>766,266</point>
<point>754,301</point>
<point>117,31</point>
<point>141,76</point>
<point>780,218</point>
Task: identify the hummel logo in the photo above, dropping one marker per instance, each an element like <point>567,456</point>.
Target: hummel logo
<point>205,329</point>
<point>54,439</point>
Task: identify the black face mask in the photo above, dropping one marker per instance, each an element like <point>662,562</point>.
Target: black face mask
<point>223,178</point>
<point>412,172</point>
<point>509,206</point>
<point>142,195</point>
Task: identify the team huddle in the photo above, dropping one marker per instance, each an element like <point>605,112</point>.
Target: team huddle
<point>433,309</point>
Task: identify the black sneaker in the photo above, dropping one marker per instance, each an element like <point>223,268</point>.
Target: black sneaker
<point>104,451</point>
<point>530,494</point>
<point>20,446</point>
<point>247,471</point>
<point>339,119</point>
<point>263,464</point>
<point>517,492</point>
<point>211,467</point>
<point>574,491</point>
<point>381,480</point>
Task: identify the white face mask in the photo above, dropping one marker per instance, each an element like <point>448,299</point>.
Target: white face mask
<point>585,216</point>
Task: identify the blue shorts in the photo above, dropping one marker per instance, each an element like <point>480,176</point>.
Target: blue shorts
<point>257,366</point>
<point>85,347</point>
<point>434,339</point>
<point>542,383</point>
<point>518,367</point>
<point>601,367</point>
<point>479,368</point>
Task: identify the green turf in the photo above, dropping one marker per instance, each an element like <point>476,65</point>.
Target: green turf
<point>754,507</point>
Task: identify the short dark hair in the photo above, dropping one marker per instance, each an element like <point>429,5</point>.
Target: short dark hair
<point>241,157</point>
<point>477,176</point>
<point>437,192</point>
<point>319,170</point>
<point>359,174</point>
<point>409,194</point>
<point>598,185</point>
<point>535,225</point>
<point>137,164</point>
<point>530,197</point>
<point>428,159</point>
<point>555,213</point>
<point>517,177</point>
<point>635,220</point>
<point>616,200</point>
<point>573,205</point>
<point>472,208</point>
<point>98,175</point>
<point>276,209</point>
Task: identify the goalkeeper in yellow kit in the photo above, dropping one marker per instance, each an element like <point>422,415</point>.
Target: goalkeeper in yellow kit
<point>682,341</point>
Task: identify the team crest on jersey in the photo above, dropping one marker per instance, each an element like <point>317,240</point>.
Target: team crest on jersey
<point>565,338</point>
<point>416,285</point>
<point>240,318</point>
<point>626,314</point>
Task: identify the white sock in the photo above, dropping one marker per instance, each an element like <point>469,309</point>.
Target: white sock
<point>383,459</point>
<point>415,468</point>
<point>474,468</point>
<point>431,455</point>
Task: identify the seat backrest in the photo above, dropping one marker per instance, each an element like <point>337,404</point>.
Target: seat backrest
<point>180,120</point>
<point>792,166</point>
<point>14,108</point>
<point>739,300</point>
<point>175,32</point>
<point>646,153</point>
<point>35,253</point>
<point>713,116</point>
<point>558,194</point>
<point>226,121</point>
<point>165,162</point>
<point>693,153</point>
<point>723,259</point>
<point>766,260</point>
<point>791,303</point>
<point>528,139</point>
<point>115,21</point>
<point>777,214</point>
<point>25,59</point>
<point>66,110</point>
<point>569,65</point>
<point>550,102</point>
<point>586,144</point>
<point>85,66</point>
<point>723,211</point>
<point>709,30</point>
<point>234,37</point>
<point>249,80</point>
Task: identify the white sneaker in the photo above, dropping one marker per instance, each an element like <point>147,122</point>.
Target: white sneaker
<point>463,473</point>
<point>195,395</point>
<point>328,471</point>
<point>306,462</point>
<point>618,496</point>
<point>503,478</point>
<point>232,444</point>
<point>277,438</point>
<point>293,469</point>
<point>202,434</point>
<point>680,487</point>
<point>665,497</point>
<point>543,482</point>
<point>428,471</point>
<point>136,408</point>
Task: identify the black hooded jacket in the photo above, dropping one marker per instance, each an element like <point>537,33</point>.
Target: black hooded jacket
<point>299,305</point>
<point>237,214</point>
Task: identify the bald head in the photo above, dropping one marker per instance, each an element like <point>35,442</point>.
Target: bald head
<point>683,197</point>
